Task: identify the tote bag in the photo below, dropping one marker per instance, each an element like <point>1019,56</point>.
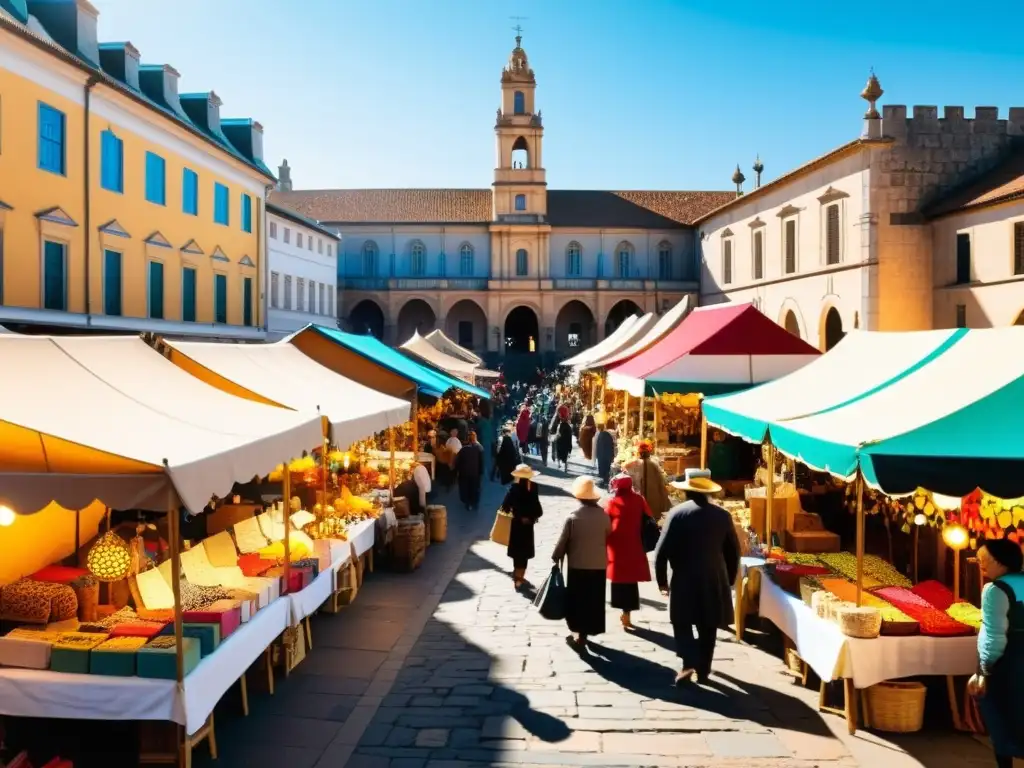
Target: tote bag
<point>502,528</point>
<point>550,600</point>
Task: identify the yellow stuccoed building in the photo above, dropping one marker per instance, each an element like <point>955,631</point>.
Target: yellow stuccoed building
<point>124,205</point>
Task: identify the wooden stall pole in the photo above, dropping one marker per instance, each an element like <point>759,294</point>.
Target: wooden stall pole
<point>416,424</point>
<point>704,438</point>
<point>643,410</point>
<point>657,421</point>
<point>173,535</point>
<point>391,462</point>
<point>326,468</point>
<point>286,492</point>
<point>769,495</point>
<point>860,536</point>
<point>625,413</point>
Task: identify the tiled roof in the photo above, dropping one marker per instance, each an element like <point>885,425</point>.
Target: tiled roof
<point>1003,183</point>
<point>566,208</point>
<point>298,218</point>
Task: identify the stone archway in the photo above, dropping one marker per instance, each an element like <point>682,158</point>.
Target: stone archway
<point>466,325</point>
<point>367,318</point>
<point>415,316</point>
<point>791,324</point>
<point>619,313</point>
<point>831,329</point>
<point>522,331</point>
<point>574,328</point>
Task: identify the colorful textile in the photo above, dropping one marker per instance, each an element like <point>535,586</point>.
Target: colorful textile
<point>933,622</point>
<point>936,593</point>
<point>254,565</point>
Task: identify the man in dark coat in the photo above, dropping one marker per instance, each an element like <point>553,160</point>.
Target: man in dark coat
<point>541,436</point>
<point>507,458</point>
<point>604,451</point>
<point>699,541</point>
<point>469,465</point>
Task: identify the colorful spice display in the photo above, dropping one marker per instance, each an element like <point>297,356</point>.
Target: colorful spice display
<point>933,622</point>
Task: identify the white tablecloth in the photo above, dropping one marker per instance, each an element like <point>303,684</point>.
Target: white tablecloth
<point>833,655</point>
<point>362,535</point>
<point>46,694</point>
<point>306,601</point>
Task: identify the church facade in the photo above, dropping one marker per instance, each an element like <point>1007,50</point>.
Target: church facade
<point>514,267</point>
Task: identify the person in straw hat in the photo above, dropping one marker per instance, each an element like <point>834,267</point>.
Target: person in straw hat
<point>699,541</point>
<point>522,501</point>
<point>583,543</point>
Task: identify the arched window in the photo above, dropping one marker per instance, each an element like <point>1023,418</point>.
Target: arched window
<point>664,260</point>
<point>370,258</point>
<point>418,258</point>
<point>466,266</point>
<point>520,202</point>
<point>519,103</point>
<point>573,259</point>
<point>520,154</point>
<point>522,263</point>
<point>623,259</point>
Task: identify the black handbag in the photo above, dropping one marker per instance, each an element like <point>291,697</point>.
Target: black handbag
<point>550,600</point>
<point>649,533</point>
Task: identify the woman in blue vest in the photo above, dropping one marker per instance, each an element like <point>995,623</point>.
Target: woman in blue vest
<point>999,683</point>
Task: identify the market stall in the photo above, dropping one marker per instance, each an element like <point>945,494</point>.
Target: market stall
<point>663,326</point>
<point>608,345</point>
<point>424,351</point>
<point>138,434</point>
<point>440,341</point>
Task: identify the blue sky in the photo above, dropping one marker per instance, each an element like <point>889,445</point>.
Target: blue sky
<point>636,94</point>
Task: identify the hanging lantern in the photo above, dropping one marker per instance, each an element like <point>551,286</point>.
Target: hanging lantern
<point>110,559</point>
<point>7,515</point>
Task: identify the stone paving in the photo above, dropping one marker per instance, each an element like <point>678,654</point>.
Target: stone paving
<point>450,668</point>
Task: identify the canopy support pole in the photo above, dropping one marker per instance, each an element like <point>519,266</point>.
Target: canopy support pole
<point>704,437</point>
<point>416,424</point>
<point>657,421</point>
<point>769,495</point>
<point>173,535</point>
<point>860,536</point>
<point>327,468</point>
<point>625,413</point>
<point>286,508</point>
<point>643,409</point>
<point>391,462</point>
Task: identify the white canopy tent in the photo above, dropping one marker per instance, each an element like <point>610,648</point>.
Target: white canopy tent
<point>665,324</point>
<point>282,375</point>
<point>639,329</point>
<point>86,418</point>
<point>419,347</point>
<point>596,350</point>
<point>443,343</point>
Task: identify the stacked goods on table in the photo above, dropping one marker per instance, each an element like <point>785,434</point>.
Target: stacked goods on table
<point>934,621</point>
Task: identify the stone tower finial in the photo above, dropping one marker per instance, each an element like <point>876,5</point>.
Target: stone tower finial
<point>758,168</point>
<point>872,120</point>
<point>284,177</point>
<point>738,178</point>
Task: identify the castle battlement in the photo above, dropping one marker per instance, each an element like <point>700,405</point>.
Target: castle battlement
<point>925,120</point>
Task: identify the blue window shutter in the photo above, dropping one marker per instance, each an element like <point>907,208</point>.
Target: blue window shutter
<point>188,294</point>
<point>246,213</point>
<point>52,136</point>
<point>220,290</point>
<point>55,293</point>
<point>247,300</point>
<point>111,162</point>
<point>112,283</point>
<point>519,103</point>
<point>156,188</point>
<point>221,202</point>
<point>156,290</point>
<point>190,192</point>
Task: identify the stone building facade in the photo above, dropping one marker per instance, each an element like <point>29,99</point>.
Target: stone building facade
<point>516,266</point>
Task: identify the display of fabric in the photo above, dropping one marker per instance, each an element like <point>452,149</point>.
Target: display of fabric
<point>59,574</point>
<point>936,593</point>
<point>29,601</point>
<point>933,622</point>
<point>254,565</point>
<point>248,536</point>
<point>220,550</point>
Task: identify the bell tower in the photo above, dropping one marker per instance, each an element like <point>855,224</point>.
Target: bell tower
<point>520,185</point>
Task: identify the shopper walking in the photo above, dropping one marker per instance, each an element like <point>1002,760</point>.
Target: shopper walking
<point>586,438</point>
<point>998,684</point>
<point>508,456</point>
<point>542,436</point>
<point>563,440</point>
<point>699,541</point>
<point>469,465</point>
<point>522,502</point>
<point>604,451</point>
<point>627,561</point>
<point>583,544</point>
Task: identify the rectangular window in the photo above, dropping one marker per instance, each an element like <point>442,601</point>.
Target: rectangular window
<point>727,261</point>
<point>156,290</point>
<point>1018,248</point>
<point>330,303</point>
<point>300,294</point>
<point>275,289</point>
<point>55,282</point>
<point>287,235</point>
<point>188,294</point>
<point>287,291</point>
<point>963,258</point>
<point>758,255</point>
<point>522,263</point>
<point>328,250</point>
<point>832,234</point>
<point>323,309</point>
<point>298,239</point>
<point>112,283</point>
<point>52,139</point>
<point>309,242</point>
<point>156,180</point>
<point>319,245</point>
<point>623,264</point>
<point>466,334</point>
<point>664,265</point>
<point>111,162</point>
<point>246,213</point>
<point>221,204</point>
<point>312,296</point>
<point>961,315</point>
<point>247,302</point>
<point>273,230</point>
<point>790,246</point>
<point>190,192</point>
<point>220,298</point>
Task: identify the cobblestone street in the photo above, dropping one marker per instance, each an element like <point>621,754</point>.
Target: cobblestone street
<point>450,668</point>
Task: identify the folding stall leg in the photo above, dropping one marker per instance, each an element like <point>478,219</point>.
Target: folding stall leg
<point>269,656</point>
<point>309,635</point>
<point>954,708</point>
<point>850,705</point>
<point>245,694</point>
<point>369,559</point>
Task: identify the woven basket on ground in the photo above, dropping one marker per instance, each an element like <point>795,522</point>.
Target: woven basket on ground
<point>438,515</point>
<point>896,707</point>
<point>409,543</point>
<point>863,622</point>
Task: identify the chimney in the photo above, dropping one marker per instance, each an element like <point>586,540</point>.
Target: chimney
<point>872,120</point>
<point>203,109</point>
<point>738,178</point>
<point>160,83</point>
<point>71,24</point>
<point>245,135</point>
<point>17,8</point>
<point>121,61</point>
<point>284,178</point>
<point>758,167</point>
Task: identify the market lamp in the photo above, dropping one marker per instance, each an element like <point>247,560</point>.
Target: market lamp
<point>110,558</point>
<point>956,538</point>
<point>7,516</point>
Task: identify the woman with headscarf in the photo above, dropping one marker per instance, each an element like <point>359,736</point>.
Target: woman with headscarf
<point>522,501</point>
<point>469,464</point>
<point>627,561</point>
<point>586,438</point>
<point>508,456</point>
<point>998,684</point>
<point>562,430</point>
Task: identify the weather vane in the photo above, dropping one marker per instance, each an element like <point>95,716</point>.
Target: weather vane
<point>518,28</point>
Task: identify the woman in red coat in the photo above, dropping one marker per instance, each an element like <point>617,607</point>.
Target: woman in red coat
<point>627,561</point>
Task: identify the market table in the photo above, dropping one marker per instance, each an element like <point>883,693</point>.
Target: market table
<point>747,564</point>
<point>862,663</point>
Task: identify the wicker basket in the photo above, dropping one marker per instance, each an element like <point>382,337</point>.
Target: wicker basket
<point>438,515</point>
<point>808,586</point>
<point>409,543</point>
<point>896,707</point>
<point>864,622</point>
<point>401,507</point>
